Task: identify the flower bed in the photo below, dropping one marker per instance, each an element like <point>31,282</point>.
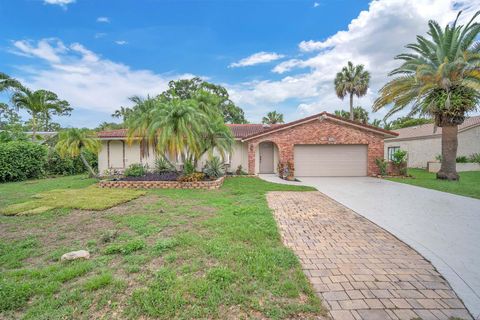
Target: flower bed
<point>152,184</point>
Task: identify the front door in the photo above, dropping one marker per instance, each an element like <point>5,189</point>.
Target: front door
<point>266,157</point>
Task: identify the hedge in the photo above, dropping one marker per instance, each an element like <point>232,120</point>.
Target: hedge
<point>57,165</point>
<point>20,160</point>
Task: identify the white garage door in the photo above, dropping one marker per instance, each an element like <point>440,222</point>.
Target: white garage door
<point>330,160</point>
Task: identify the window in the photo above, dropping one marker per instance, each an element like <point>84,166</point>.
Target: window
<point>391,151</point>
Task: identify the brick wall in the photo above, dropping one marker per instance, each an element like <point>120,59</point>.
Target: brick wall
<point>205,185</point>
<point>320,132</point>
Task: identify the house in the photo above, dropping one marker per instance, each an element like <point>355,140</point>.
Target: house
<point>318,145</point>
<point>423,143</point>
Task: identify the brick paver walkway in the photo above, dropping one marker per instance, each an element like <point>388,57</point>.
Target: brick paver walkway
<point>360,270</point>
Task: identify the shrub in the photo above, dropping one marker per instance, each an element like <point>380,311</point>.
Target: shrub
<point>462,159</point>
<point>214,168</point>
<point>163,165</point>
<point>20,160</point>
<point>382,166</point>
<point>438,157</point>
<point>188,167</point>
<point>135,170</point>
<point>475,158</point>
<point>57,165</point>
<point>239,171</point>
<point>399,157</point>
<point>196,176</point>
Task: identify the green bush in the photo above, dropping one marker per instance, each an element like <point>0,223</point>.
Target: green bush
<point>57,165</point>
<point>240,171</point>
<point>214,168</point>
<point>135,170</point>
<point>462,159</point>
<point>188,167</point>
<point>20,160</point>
<point>163,165</point>
<point>475,158</point>
<point>399,157</point>
<point>382,166</point>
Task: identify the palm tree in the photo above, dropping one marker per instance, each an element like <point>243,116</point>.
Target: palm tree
<point>40,102</point>
<point>439,79</point>
<point>176,127</point>
<point>273,117</point>
<point>359,114</point>
<point>74,142</point>
<point>352,80</point>
<point>6,82</point>
<point>217,136</point>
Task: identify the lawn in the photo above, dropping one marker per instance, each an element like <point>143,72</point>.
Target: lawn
<point>170,254</point>
<point>469,184</point>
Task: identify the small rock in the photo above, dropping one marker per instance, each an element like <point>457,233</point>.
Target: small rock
<point>74,255</point>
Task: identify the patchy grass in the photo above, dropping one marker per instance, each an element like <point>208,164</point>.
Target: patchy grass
<point>469,184</point>
<point>15,192</point>
<point>90,198</point>
<point>173,254</point>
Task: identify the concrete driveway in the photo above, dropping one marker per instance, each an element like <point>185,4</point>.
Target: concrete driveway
<point>443,227</point>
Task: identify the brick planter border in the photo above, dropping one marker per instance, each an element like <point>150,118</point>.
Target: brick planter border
<point>204,185</point>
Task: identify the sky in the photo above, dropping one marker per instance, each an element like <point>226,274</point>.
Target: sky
<point>270,54</point>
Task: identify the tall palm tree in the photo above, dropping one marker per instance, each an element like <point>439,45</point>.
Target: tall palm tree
<point>37,103</point>
<point>217,136</point>
<point>273,117</point>
<point>74,142</point>
<point>352,80</point>
<point>176,127</point>
<point>138,119</point>
<point>439,79</point>
<point>6,82</point>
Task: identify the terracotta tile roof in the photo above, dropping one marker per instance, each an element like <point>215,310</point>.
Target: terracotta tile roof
<point>315,116</point>
<point>427,130</point>
<point>243,131</point>
<point>119,133</point>
<point>239,131</point>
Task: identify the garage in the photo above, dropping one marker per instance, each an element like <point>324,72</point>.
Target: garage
<point>330,160</point>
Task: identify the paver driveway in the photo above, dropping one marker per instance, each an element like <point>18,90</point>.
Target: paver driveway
<point>360,270</point>
<point>443,227</point>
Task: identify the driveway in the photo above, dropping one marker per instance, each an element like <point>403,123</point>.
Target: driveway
<point>443,227</point>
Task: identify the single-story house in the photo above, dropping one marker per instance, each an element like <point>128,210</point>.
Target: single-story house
<point>423,143</point>
<point>318,145</point>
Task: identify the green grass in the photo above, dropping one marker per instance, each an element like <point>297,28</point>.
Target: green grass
<point>469,184</point>
<point>90,198</point>
<point>173,254</point>
<point>15,192</point>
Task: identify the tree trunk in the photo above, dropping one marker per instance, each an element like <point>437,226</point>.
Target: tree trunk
<point>448,170</point>
<point>351,106</point>
<point>34,126</point>
<point>91,173</point>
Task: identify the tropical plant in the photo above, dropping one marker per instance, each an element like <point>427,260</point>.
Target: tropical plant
<point>440,79</point>
<point>399,157</point>
<point>475,158</point>
<point>359,114</point>
<point>240,171</point>
<point>75,143</point>
<point>214,168</point>
<point>461,159</point>
<point>352,81</point>
<point>405,122</point>
<point>7,82</point>
<point>192,177</point>
<point>188,167</point>
<point>40,102</point>
<point>382,165</point>
<point>186,89</point>
<point>135,170</point>
<point>163,165</point>
<point>273,117</point>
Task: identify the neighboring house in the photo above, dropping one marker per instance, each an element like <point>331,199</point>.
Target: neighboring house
<point>423,143</point>
<point>319,145</point>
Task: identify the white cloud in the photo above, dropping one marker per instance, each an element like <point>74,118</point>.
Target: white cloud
<point>373,39</point>
<point>84,78</point>
<point>99,35</point>
<point>121,42</point>
<point>316,4</point>
<point>103,19</point>
<point>257,58</point>
<point>62,3</point>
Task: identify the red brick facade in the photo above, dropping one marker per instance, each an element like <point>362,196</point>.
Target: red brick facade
<point>318,131</point>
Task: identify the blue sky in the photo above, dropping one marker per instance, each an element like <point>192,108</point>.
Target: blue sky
<point>271,55</point>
